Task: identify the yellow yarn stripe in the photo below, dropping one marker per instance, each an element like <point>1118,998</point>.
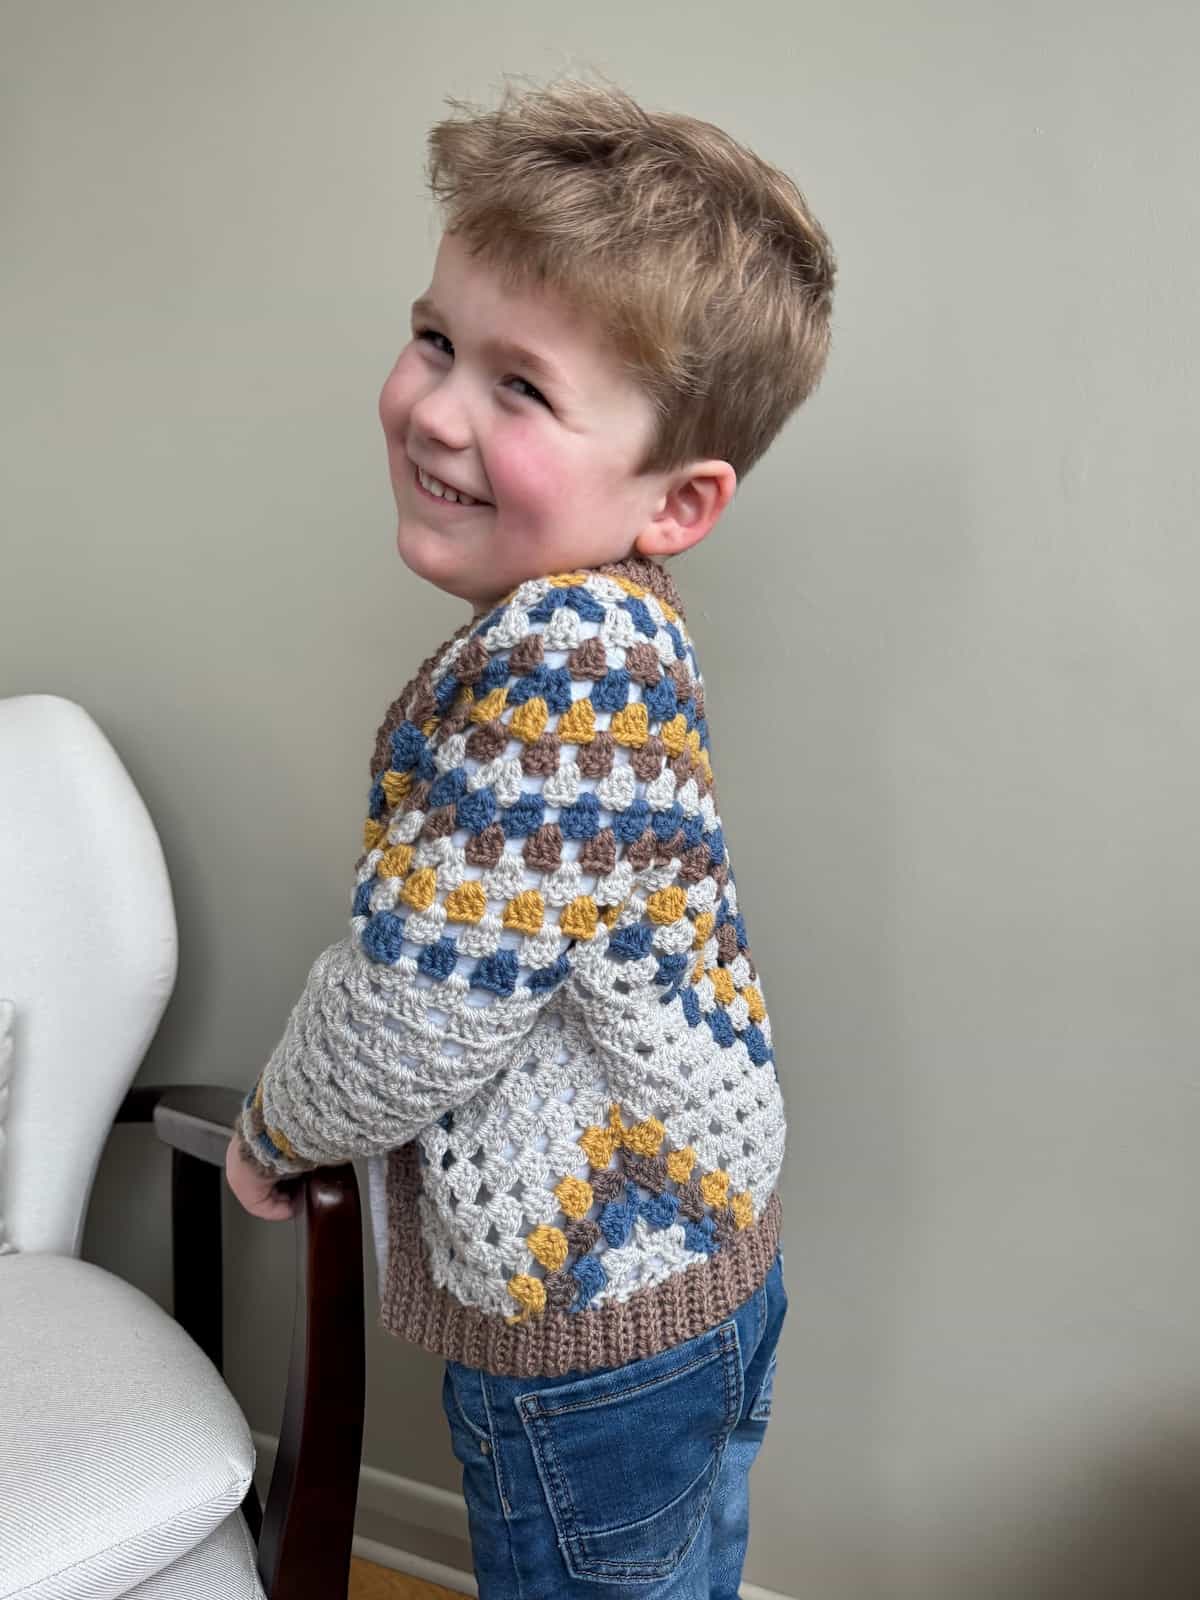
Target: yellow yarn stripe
<point>467,903</point>
<point>396,786</point>
<point>578,725</point>
<point>575,1197</point>
<point>530,1295</point>
<point>680,1163</point>
<point>722,982</point>
<point>526,913</point>
<point>714,1186</point>
<point>549,1246</point>
<point>597,1145</point>
<point>630,726</point>
<point>420,890</point>
<point>395,861</point>
<point>667,905</point>
<point>754,1002</point>
<point>674,734</point>
<point>490,707</point>
<point>529,721</point>
<point>579,918</point>
<point>644,1138</point>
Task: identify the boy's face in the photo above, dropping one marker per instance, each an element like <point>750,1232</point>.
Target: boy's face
<point>545,442</point>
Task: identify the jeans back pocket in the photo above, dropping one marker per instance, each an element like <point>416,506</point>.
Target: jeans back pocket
<point>628,1457</point>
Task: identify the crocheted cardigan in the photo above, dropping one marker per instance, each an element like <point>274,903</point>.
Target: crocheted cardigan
<point>544,1027</point>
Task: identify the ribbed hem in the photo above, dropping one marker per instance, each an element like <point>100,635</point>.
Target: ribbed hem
<point>556,1342</point>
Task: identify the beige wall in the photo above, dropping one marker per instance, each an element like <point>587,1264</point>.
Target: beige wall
<point>949,629</point>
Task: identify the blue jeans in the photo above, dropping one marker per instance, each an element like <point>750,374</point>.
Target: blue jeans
<point>620,1481</point>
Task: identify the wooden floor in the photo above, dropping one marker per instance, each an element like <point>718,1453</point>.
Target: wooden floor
<point>369,1582</point>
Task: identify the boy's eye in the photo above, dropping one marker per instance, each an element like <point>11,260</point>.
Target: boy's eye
<point>432,335</point>
<point>535,394</point>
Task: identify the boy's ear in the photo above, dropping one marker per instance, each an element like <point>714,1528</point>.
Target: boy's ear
<point>692,500</point>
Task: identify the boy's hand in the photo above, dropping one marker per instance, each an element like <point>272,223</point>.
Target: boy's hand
<point>258,1194</point>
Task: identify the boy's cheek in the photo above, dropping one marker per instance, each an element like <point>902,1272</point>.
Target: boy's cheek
<point>526,480</point>
<point>395,401</point>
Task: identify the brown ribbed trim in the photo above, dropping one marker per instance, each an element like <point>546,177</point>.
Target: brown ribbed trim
<point>651,575</point>
<point>556,1342</point>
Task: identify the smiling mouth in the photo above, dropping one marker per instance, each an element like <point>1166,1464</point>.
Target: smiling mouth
<point>434,489</point>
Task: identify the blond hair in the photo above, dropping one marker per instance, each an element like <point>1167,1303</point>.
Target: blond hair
<point>702,263</point>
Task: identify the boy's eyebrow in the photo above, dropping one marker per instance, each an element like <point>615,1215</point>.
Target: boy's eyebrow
<point>504,349</point>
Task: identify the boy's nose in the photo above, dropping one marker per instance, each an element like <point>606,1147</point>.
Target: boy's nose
<point>440,418</point>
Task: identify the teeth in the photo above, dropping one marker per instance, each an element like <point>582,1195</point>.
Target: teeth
<point>443,490</point>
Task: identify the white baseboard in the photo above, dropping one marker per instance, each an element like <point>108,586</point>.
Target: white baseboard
<point>421,1505</point>
<point>384,1555</point>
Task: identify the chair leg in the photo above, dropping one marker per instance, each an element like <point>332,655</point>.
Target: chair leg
<point>308,1521</point>
<point>196,1252</point>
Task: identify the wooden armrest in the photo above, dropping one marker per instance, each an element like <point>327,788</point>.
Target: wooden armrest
<point>197,1118</point>
<point>305,1532</point>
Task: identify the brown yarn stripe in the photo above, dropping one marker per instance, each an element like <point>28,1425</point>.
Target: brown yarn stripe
<point>557,1342</point>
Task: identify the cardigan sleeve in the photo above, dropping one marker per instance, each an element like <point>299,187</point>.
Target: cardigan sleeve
<point>518,821</point>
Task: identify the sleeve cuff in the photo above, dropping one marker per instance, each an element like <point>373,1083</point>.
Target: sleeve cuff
<point>261,1150</point>
<point>246,1150</point>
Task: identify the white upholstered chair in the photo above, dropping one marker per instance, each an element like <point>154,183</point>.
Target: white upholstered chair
<point>125,1463</point>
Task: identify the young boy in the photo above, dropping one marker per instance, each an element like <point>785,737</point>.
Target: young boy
<point>544,1028</point>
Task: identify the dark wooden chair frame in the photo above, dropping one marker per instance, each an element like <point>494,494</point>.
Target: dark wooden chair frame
<point>305,1532</point>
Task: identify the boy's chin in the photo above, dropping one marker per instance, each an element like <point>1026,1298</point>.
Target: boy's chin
<point>416,558</point>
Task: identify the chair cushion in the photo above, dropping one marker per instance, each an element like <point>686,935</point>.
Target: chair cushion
<point>121,1449</point>
<point>224,1565</point>
<point>6,1067</point>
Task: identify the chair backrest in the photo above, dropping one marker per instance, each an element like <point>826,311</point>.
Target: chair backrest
<point>88,955</point>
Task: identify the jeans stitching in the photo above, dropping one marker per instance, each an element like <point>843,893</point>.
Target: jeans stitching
<point>496,1467</point>
<point>758,1412</point>
<point>498,1475</point>
<point>620,1394</point>
<point>463,1417</point>
<point>637,1571</point>
<point>557,1492</point>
